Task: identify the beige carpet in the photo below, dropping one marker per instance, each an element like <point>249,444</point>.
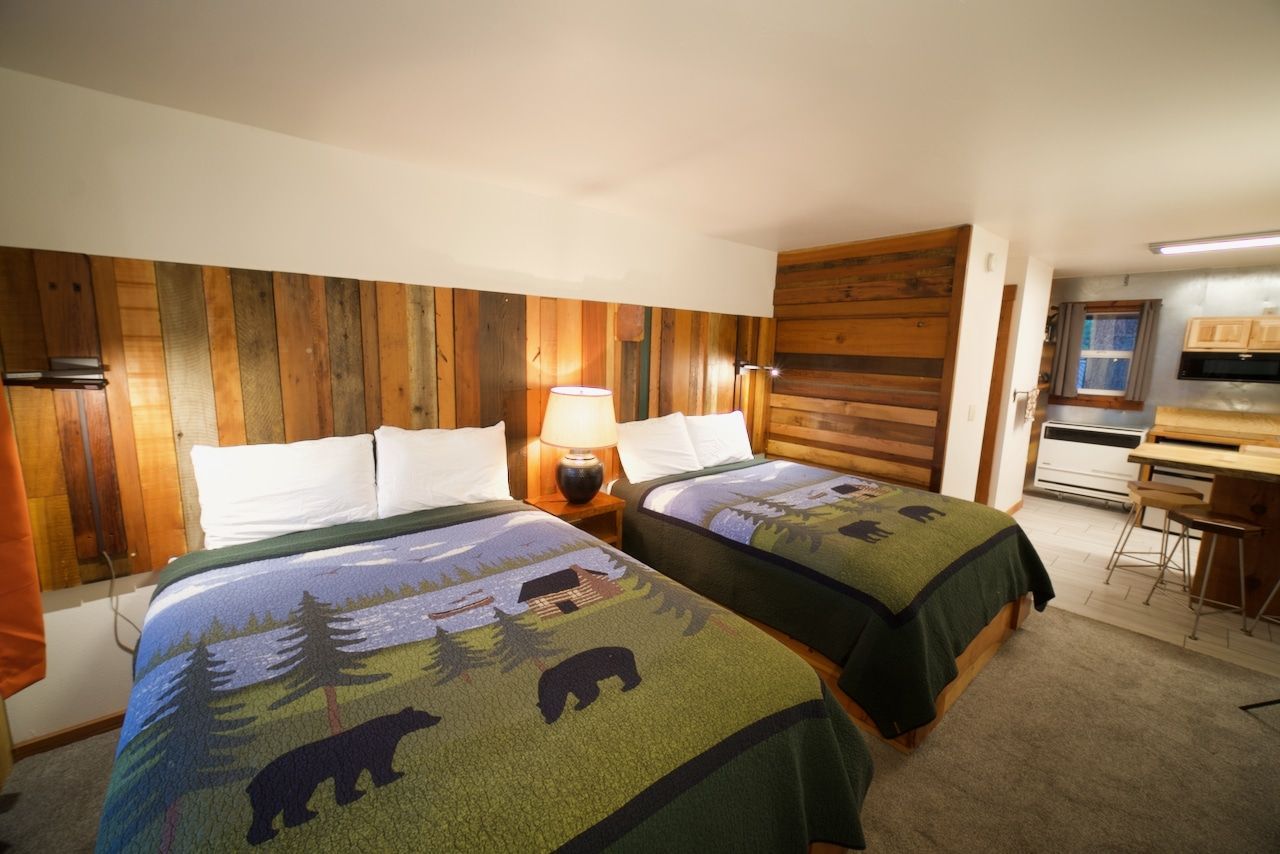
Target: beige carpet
<point>1077,737</point>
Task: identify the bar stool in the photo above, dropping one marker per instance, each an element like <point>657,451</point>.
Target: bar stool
<point>1212,524</point>
<point>1158,496</point>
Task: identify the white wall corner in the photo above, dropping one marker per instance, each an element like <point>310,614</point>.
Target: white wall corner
<point>975,350</point>
<point>1026,342</point>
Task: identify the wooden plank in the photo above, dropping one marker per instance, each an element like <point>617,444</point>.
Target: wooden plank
<point>548,364</point>
<point>722,344</point>
<point>698,334</point>
<point>916,242</point>
<point>849,442</point>
<point>35,427</point>
<point>501,340</point>
<point>253,296</point>
<point>21,327</point>
<point>897,382</point>
<point>594,342</point>
<point>346,356</point>
<point>369,356</point>
<point>534,406</point>
<point>420,308</point>
<point>880,270</point>
<point>963,238</point>
<point>761,386</point>
<point>224,357</point>
<point>302,337</point>
<point>446,383</point>
<point>152,420</point>
<point>180,292</point>
<point>863,410</point>
<point>921,337</point>
<point>847,301</point>
<point>120,412</point>
<point>53,542</point>
<point>569,334</point>
<point>609,456</point>
<point>467,358</point>
<point>630,323</point>
<point>853,463</point>
<point>629,382</point>
<point>877,428</point>
<point>666,345</point>
<point>65,285</point>
<point>393,353</point>
<point>786,384</point>
<point>81,488</point>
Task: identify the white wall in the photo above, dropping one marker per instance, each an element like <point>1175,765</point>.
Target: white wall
<point>89,172</point>
<point>975,351</point>
<point>88,675</point>
<point>1034,279</point>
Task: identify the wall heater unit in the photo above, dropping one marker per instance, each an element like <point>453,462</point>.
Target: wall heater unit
<point>1087,459</point>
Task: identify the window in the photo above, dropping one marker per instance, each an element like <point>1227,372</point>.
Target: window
<point>1106,352</point>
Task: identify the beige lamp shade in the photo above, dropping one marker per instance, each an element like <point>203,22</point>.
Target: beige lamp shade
<point>579,417</point>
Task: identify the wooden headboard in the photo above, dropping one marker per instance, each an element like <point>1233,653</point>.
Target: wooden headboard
<point>211,355</point>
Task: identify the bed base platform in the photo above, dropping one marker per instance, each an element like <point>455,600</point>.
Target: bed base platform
<point>968,664</point>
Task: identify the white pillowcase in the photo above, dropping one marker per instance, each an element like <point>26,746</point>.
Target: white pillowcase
<point>719,439</point>
<point>252,492</point>
<point>656,447</point>
<point>424,469</point>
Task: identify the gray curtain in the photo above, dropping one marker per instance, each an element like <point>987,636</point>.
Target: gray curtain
<point>1144,350</point>
<point>1066,359</point>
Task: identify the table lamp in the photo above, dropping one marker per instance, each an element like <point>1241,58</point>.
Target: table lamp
<point>579,419</point>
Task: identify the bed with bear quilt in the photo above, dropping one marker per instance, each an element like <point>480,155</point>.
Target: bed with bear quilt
<point>479,678</point>
<point>889,583</point>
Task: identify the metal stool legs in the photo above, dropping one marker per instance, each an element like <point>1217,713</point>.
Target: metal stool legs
<point>1204,582</point>
<point>1263,610</point>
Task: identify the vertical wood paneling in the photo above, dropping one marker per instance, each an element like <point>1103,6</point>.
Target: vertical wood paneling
<point>255,308</point>
<point>446,385</point>
<point>420,318</point>
<point>81,489</point>
<point>533,394</point>
<point>228,356</point>
<point>152,420</point>
<point>65,285</point>
<point>466,357</point>
<point>393,354</point>
<point>21,327</point>
<point>224,358</point>
<point>548,366</point>
<point>502,377</point>
<point>369,352</point>
<point>346,356</point>
<point>185,326</point>
<point>120,411</point>
<point>302,336</point>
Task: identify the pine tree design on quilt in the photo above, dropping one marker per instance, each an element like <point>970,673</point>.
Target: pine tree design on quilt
<point>319,656</point>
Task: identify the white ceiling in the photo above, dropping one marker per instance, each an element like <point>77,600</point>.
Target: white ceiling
<point>1080,129</point>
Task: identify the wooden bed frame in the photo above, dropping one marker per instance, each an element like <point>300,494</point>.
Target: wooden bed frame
<point>968,664</point>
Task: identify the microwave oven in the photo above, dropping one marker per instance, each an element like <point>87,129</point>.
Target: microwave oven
<point>1230,367</point>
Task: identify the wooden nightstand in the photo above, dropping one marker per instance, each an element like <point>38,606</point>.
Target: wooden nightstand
<point>600,517</point>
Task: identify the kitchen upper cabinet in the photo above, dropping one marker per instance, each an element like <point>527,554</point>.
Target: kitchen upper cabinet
<point>1233,334</point>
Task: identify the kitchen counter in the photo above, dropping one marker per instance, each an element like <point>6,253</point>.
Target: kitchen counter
<point>1209,460</point>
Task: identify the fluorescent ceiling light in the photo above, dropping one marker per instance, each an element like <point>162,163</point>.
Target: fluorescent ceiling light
<point>1213,244</point>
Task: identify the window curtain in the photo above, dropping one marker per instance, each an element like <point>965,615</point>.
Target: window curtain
<point>1144,351</point>
<point>22,658</point>
<point>1067,357</point>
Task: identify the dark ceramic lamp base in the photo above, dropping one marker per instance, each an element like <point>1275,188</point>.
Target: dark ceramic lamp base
<point>579,476</point>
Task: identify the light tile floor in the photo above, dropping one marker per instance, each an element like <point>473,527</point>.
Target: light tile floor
<point>1075,539</point>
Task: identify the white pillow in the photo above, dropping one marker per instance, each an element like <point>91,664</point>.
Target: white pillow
<point>719,439</point>
<point>656,447</point>
<point>252,492</point>
<point>423,469</point>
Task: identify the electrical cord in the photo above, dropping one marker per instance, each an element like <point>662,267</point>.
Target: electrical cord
<point>115,609</point>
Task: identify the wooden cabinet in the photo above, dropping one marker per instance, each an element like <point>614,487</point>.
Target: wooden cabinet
<point>1264,333</point>
<point>1217,333</point>
<point>1233,334</point>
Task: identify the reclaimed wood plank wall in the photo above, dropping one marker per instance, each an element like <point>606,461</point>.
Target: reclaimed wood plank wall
<point>865,340</point>
<point>211,355</point>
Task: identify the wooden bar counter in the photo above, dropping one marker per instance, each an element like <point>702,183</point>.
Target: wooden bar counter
<point>1246,486</point>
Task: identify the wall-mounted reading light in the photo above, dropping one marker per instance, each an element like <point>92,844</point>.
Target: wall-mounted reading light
<point>1215,244</point>
<point>741,367</point>
<point>65,372</point>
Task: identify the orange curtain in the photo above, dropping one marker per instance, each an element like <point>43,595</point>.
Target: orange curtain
<point>21,615</point>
